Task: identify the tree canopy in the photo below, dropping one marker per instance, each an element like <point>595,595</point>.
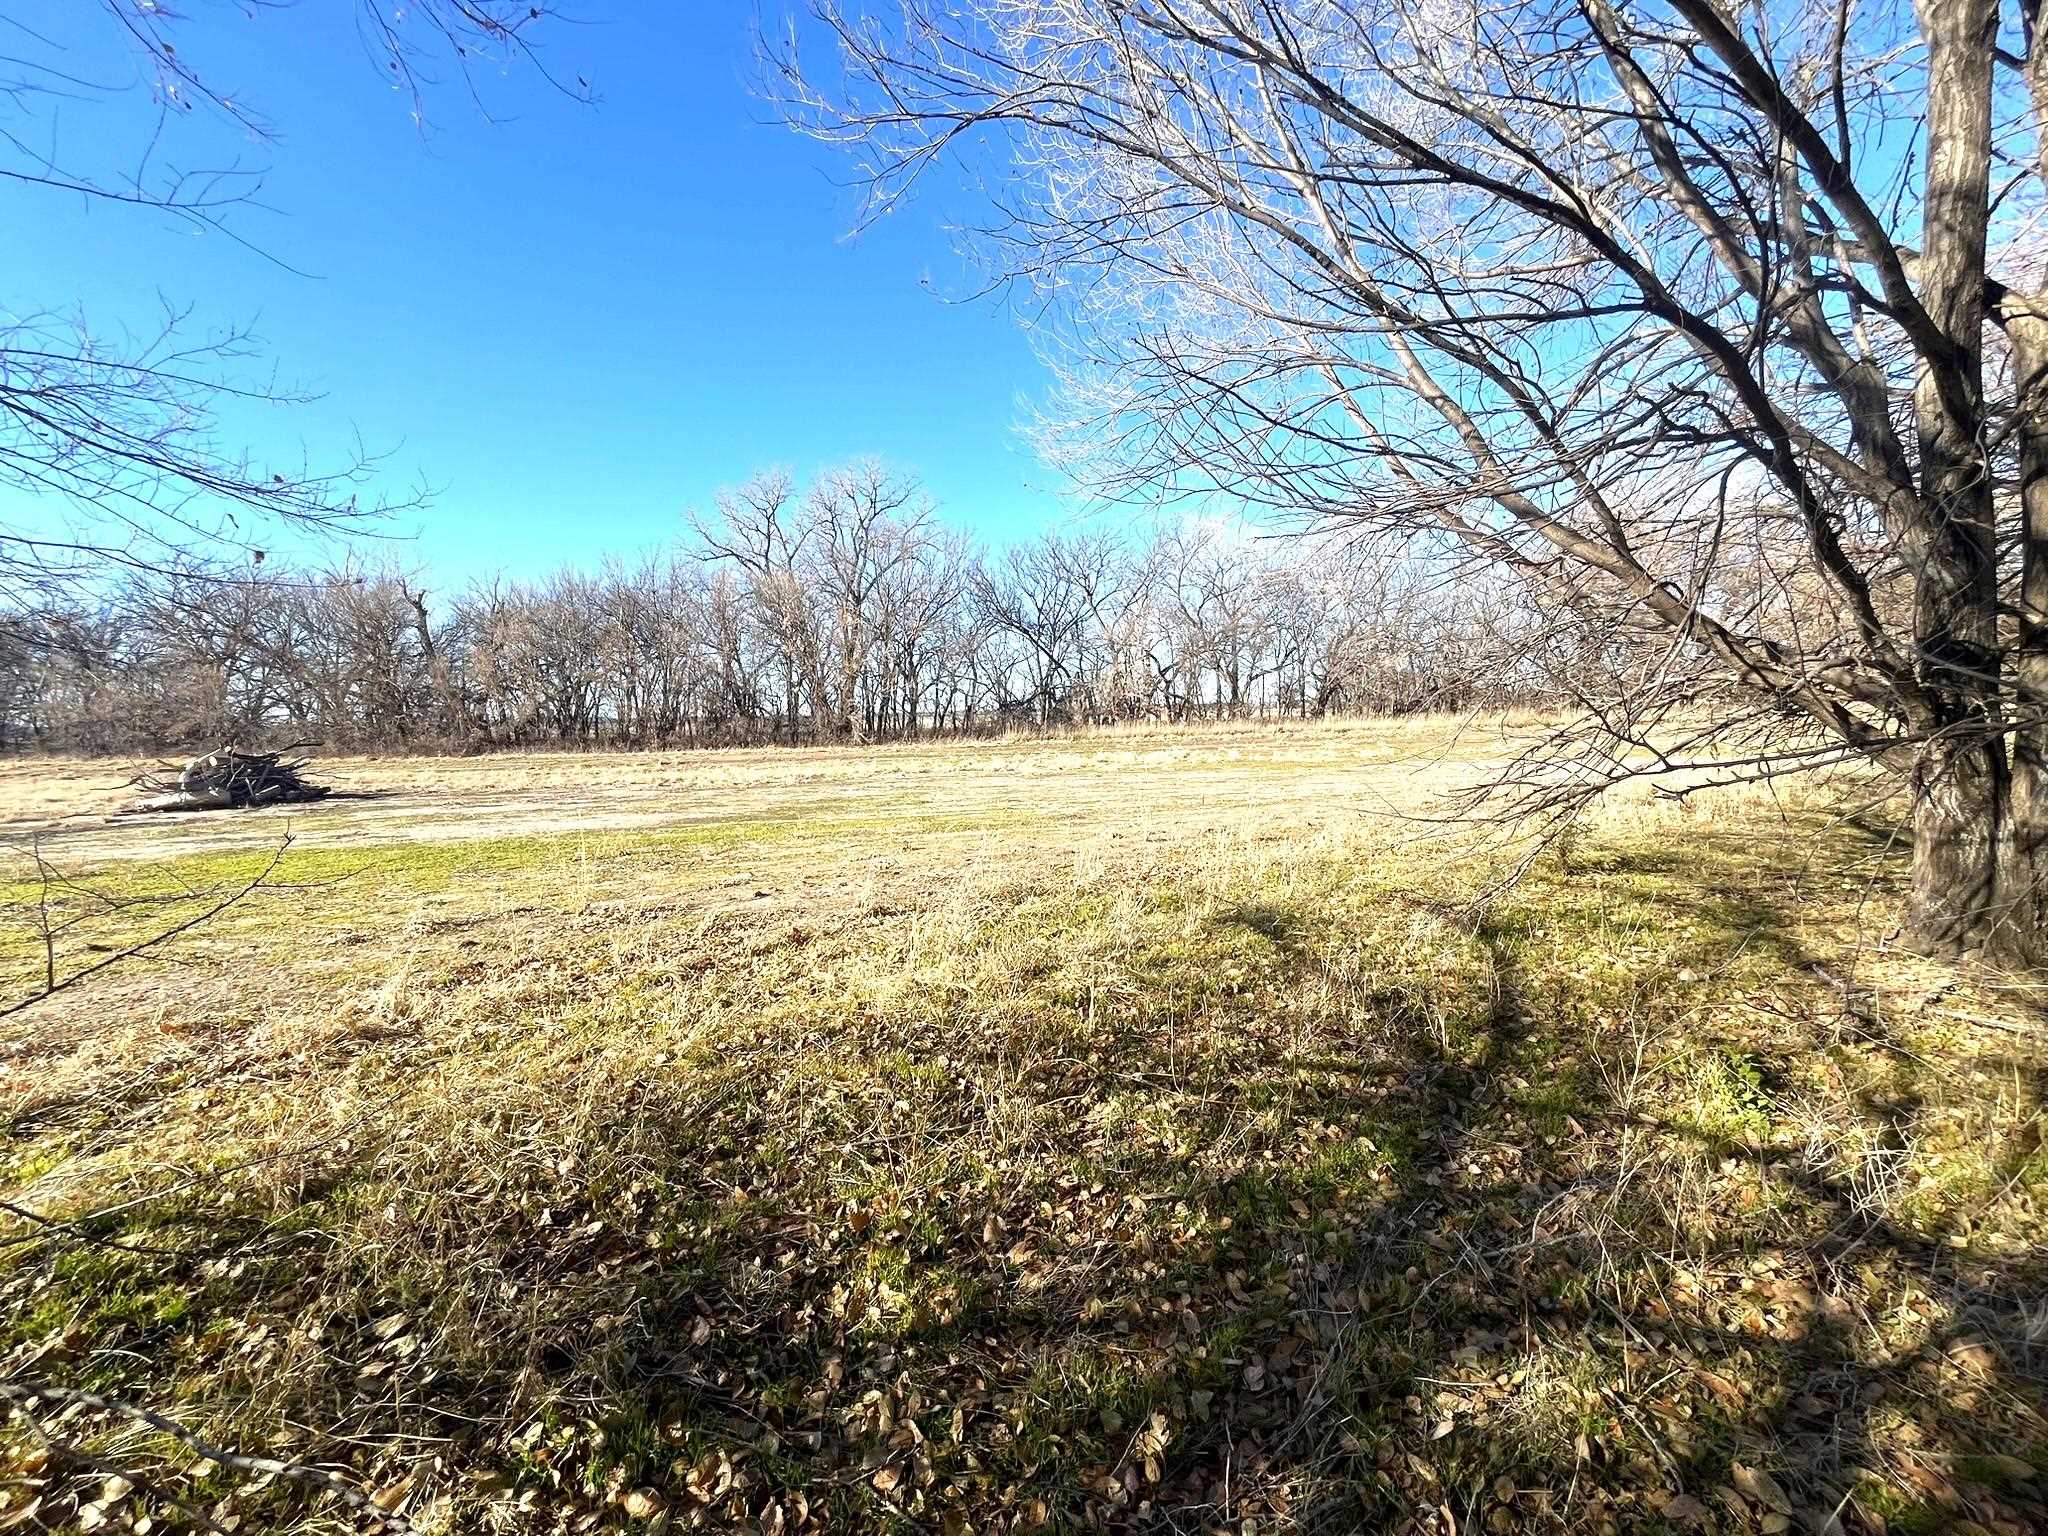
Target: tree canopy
<point>111,451</point>
<point>1717,323</point>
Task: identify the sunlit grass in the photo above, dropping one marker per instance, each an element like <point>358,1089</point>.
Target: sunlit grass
<point>960,1173</point>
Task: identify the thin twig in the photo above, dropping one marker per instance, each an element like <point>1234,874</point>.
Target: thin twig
<point>144,945</point>
<point>23,1393</point>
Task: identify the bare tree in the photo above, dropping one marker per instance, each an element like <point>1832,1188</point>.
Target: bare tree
<point>896,631</point>
<point>1046,595</point>
<point>109,435</point>
<point>759,529</point>
<point>835,574</point>
<point>1619,297</point>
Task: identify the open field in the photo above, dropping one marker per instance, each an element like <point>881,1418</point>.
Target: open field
<point>1137,1132</point>
<point>1115,779</point>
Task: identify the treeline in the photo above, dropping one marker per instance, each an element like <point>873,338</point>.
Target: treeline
<point>842,611</point>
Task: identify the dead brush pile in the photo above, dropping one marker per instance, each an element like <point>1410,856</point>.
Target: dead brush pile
<point>228,779</point>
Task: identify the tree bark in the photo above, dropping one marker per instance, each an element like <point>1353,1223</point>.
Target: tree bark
<point>1980,825</point>
<point>2025,321</point>
<point>1976,825</point>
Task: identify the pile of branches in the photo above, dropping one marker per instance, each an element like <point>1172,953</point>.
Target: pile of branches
<point>229,779</point>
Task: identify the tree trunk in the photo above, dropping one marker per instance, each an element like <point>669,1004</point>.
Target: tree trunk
<point>2025,318</point>
<point>1978,838</point>
<point>1975,886</point>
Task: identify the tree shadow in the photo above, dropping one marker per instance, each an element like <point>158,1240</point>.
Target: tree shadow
<point>1290,1244</point>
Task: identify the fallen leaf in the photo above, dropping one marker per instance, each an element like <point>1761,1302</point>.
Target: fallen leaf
<point>1973,1357</point>
<point>391,1495</point>
<point>1760,1486</point>
<point>643,1503</point>
<point>1687,1510</point>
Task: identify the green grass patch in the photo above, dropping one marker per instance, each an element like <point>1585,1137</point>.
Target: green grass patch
<point>1256,1182</point>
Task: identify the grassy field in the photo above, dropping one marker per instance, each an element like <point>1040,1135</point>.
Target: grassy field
<point>1138,1132</point>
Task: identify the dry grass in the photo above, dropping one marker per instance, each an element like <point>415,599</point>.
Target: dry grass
<point>1131,1133</point>
<point>1117,779</point>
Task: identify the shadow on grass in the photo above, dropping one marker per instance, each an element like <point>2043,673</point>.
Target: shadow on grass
<point>1533,1228</point>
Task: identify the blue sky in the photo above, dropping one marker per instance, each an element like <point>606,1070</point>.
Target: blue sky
<point>574,321</point>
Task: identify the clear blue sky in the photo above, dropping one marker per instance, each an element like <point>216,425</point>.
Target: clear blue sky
<point>574,321</point>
